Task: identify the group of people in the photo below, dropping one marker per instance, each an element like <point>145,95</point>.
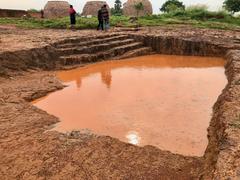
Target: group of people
<point>103,17</point>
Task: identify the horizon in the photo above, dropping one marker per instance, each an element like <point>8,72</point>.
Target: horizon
<point>213,5</point>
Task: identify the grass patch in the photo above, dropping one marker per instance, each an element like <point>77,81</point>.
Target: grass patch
<point>81,22</point>
<point>196,17</point>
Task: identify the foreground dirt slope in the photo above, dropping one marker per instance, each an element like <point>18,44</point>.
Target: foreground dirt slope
<point>27,151</point>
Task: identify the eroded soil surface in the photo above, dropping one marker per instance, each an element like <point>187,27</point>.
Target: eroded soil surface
<point>29,151</point>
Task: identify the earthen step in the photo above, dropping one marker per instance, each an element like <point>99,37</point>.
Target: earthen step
<point>81,39</point>
<point>93,41</point>
<point>103,55</point>
<point>136,52</point>
<point>125,48</point>
<point>75,59</point>
<point>93,48</point>
<point>117,51</point>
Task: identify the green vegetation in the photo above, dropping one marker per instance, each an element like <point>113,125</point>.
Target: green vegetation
<point>139,7</point>
<point>33,10</point>
<point>196,16</point>
<point>81,22</point>
<point>232,6</point>
<point>172,5</point>
<point>117,10</point>
<point>174,13</point>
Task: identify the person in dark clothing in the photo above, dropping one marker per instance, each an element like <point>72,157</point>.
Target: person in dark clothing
<point>105,17</point>
<point>100,20</point>
<point>72,14</point>
<point>42,14</point>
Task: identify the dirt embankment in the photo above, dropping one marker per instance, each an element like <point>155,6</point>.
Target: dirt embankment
<point>189,41</point>
<point>222,156</point>
<point>28,150</point>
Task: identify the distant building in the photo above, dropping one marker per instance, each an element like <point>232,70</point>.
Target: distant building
<point>129,8</point>
<point>12,13</point>
<point>56,9</point>
<point>92,7</point>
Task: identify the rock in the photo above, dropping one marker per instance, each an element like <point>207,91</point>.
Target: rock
<point>92,7</point>
<point>129,9</point>
<point>133,19</point>
<point>56,9</point>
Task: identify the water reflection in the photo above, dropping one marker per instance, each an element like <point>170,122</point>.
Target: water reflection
<point>153,61</point>
<point>133,138</point>
<point>78,82</point>
<point>106,77</point>
<point>157,100</point>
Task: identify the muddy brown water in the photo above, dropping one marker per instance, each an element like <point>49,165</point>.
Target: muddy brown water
<point>160,100</point>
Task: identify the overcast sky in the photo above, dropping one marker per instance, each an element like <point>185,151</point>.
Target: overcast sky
<point>78,4</point>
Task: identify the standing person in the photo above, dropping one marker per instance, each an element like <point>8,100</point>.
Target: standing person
<point>105,17</point>
<point>100,20</point>
<point>42,14</point>
<point>72,14</point>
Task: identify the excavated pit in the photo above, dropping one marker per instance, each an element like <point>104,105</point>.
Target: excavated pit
<point>28,150</point>
<point>164,101</point>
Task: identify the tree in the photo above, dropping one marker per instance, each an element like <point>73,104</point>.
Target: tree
<point>33,10</point>
<point>139,7</point>
<point>117,10</point>
<point>172,5</point>
<point>232,6</point>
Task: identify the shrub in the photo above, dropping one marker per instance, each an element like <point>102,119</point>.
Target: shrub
<point>202,7</point>
<point>139,7</point>
<point>172,5</point>
<point>232,6</point>
<point>33,10</point>
<point>200,12</point>
<point>117,10</point>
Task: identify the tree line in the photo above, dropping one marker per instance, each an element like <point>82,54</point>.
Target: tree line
<point>232,6</point>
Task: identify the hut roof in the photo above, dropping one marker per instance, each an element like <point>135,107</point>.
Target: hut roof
<point>56,9</point>
<point>129,8</point>
<point>92,7</point>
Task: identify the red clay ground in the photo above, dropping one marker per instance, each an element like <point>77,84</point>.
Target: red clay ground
<point>29,151</point>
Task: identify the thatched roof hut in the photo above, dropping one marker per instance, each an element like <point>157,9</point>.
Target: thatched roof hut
<point>92,7</point>
<point>56,9</point>
<point>129,8</point>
